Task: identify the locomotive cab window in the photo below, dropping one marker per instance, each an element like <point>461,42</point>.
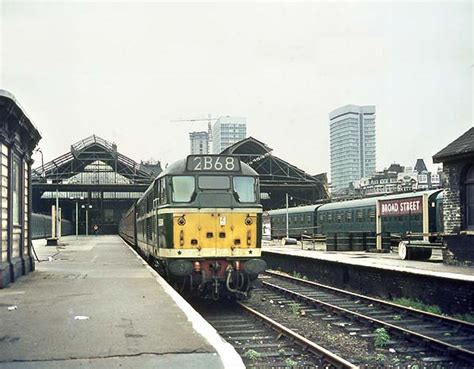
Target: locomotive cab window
<point>183,188</point>
<point>214,182</point>
<point>162,191</point>
<point>244,189</point>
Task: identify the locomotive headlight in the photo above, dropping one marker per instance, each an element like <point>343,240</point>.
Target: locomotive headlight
<point>181,221</point>
<point>248,221</point>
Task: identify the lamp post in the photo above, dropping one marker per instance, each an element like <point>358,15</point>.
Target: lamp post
<point>77,213</point>
<point>87,207</point>
<point>287,222</point>
<point>57,215</point>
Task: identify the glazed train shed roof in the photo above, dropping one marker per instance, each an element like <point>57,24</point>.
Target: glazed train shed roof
<point>248,146</point>
<point>90,150</point>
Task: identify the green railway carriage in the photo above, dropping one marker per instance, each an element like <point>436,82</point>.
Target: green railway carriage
<point>352,225</point>
<point>200,223</point>
<point>301,220</point>
<point>426,207</point>
<point>347,216</point>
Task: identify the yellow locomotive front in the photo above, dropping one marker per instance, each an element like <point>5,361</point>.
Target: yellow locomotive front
<point>205,226</point>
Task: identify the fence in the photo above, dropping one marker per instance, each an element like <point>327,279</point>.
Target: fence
<point>41,226</point>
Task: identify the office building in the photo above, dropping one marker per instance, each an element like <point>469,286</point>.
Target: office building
<point>226,131</point>
<point>352,131</point>
<point>199,142</point>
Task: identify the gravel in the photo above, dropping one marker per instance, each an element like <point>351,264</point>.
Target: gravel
<point>339,335</point>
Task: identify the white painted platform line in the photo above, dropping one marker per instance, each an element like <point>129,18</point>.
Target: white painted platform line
<point>230,358</point>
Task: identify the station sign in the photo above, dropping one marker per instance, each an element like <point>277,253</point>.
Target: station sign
<point>397,207</point>
<point>212,163</point>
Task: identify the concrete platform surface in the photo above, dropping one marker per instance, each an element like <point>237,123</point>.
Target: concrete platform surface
<point>390,261</point>
<point>94,304</point>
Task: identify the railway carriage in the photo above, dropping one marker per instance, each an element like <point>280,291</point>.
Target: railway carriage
<point>352,225</point>
<point>301,220</point>
<point>200,222</point>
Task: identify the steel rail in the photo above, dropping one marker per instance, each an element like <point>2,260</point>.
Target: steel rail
<point>468,354</point>
<point>327,355</point>
<point>374,300</point>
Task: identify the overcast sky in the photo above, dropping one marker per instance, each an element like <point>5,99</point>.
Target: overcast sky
<point>124,70</point>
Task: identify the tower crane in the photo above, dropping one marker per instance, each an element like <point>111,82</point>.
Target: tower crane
<point>209,120</point>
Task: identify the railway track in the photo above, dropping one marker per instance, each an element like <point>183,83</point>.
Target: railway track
<point>439,339</point>
<point>264,343</point>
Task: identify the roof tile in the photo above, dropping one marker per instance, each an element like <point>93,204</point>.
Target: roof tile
<point>462,146</point>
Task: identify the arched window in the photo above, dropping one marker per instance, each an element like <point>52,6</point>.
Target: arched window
<point>469,183</point>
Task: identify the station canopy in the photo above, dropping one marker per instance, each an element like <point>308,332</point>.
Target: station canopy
<point>94,160</point>
<point>96,174</point>
<point>278,177</point>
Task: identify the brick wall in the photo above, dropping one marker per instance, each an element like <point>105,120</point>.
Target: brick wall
<point>452,197</point>
<point>451,295</point>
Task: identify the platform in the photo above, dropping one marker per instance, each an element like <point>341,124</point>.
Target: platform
<point>382,275</point>
<point>391,261</point>
<point>94,303</point>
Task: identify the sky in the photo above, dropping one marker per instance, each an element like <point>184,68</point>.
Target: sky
<point>123,71</point>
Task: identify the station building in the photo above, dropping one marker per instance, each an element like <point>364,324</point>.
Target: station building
<point>18,138</point>
<point>458,199</point>
<point>95,184</point>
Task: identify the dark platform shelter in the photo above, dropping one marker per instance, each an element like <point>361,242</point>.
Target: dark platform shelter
<point>278,177</point>
<point>94,182</point>
<point>18,138</point>
<point>458,200</point>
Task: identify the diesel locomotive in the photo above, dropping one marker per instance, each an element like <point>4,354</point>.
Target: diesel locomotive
<point>200,223</point>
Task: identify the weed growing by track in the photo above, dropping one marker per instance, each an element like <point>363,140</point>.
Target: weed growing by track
<point>295,308</point>
<point>381,338</point>
<point>252,355</point>
<point>290,363</point>
<point>466,317</point>
<point>416,304</point>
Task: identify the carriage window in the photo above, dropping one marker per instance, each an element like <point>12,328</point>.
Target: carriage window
<point>183,188</point>
<point>214,182</point>
<point>244,188</point>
